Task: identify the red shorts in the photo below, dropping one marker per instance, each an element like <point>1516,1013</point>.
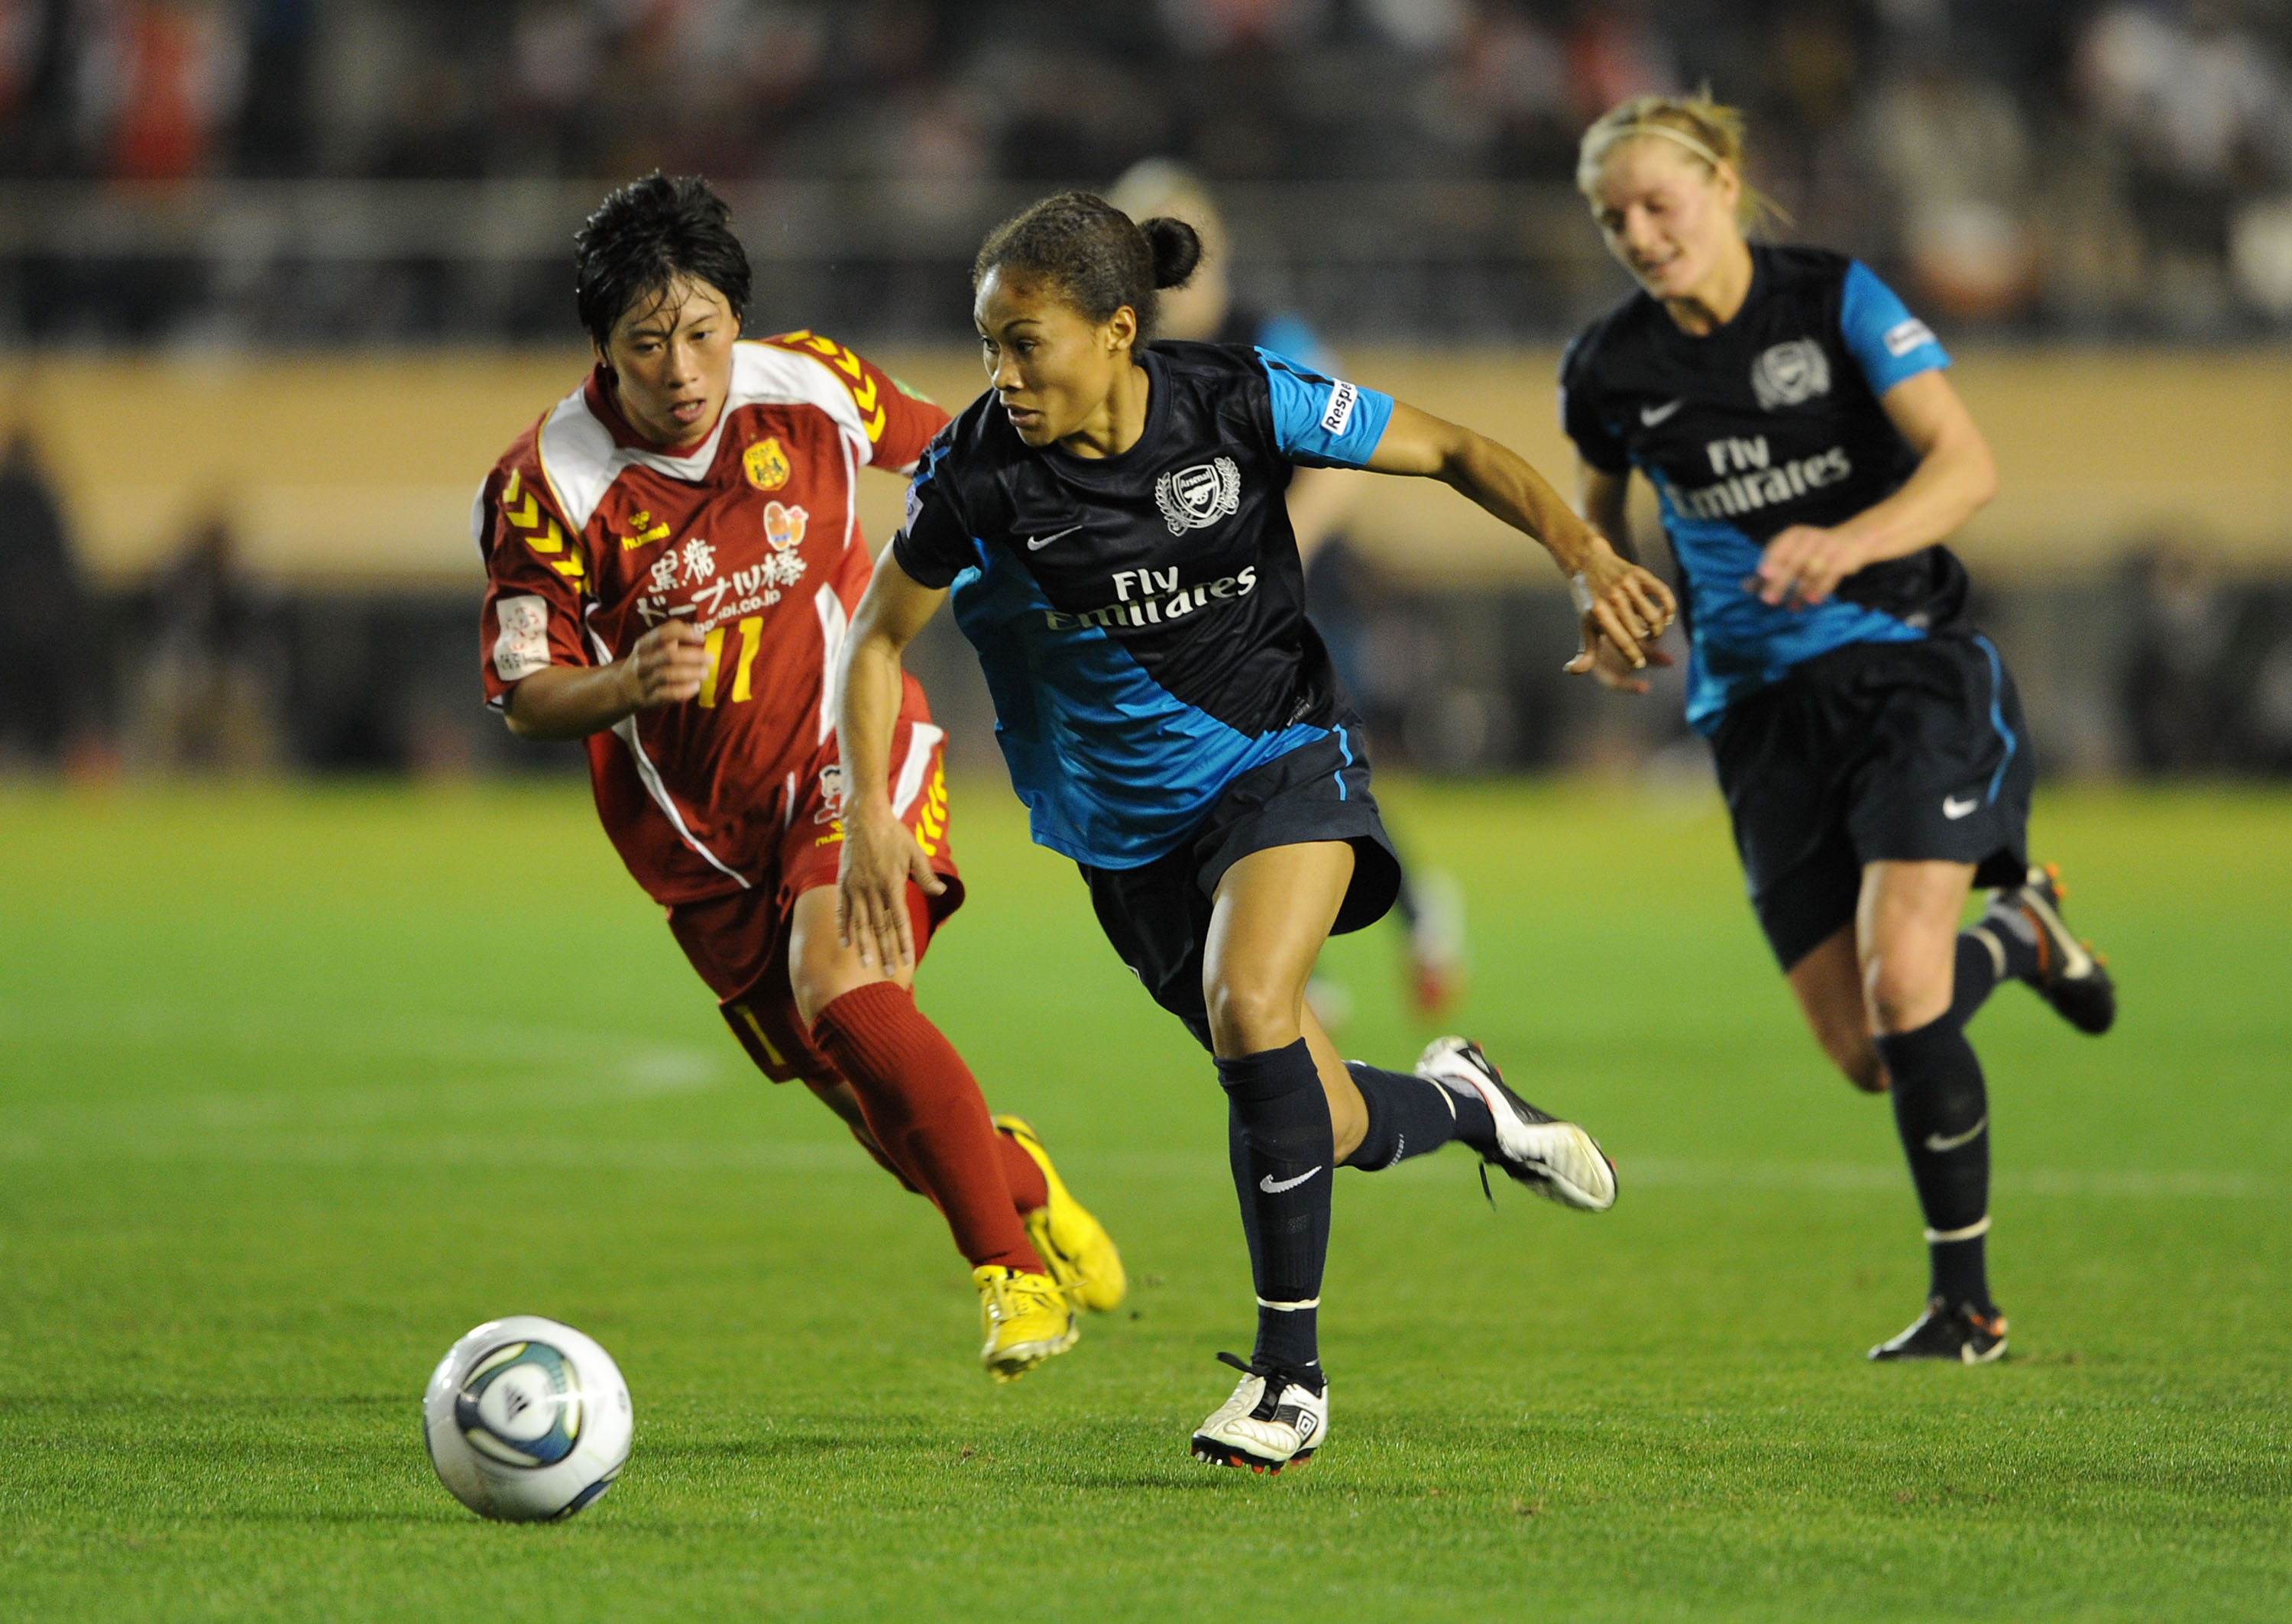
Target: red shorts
<point>739,942</point>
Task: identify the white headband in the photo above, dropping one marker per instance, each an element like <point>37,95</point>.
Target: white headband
<point>1670,135</point>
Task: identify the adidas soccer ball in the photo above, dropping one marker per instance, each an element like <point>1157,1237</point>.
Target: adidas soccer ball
<point>527,1419</point>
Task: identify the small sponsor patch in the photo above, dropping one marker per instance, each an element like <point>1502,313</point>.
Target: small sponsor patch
<point>1340,409</point>
<point>522,648</point>
<point>1905,336</point>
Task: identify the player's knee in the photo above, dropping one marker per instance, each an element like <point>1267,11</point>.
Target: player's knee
<point>1902,996</point>
<point>1248,1018</point>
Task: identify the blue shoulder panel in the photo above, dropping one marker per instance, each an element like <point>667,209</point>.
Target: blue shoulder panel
<point>1288,336</point>
<point>1320,422</point>
<point>1889,342</point>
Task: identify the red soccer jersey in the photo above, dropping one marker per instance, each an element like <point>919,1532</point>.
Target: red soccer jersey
<point>591,535</point>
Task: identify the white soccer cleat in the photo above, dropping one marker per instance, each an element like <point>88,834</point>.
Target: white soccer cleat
<point>1272,1420</point>
<point>1557,1160</point>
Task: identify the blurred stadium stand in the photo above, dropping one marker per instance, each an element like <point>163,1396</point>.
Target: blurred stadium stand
<point>277,278</point>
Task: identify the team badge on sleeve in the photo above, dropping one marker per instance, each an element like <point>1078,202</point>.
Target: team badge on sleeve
<point>522,648</point>
<point>1197,496</point>
<point>767,465</point>
<point>1789,374</point>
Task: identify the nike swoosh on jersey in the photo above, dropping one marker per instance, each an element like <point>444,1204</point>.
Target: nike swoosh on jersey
<point>1954,809</point>
<point>1267,1184</point>
<point>1035,544</point>
<point>1653,415</point>
<point>1936,1141</point>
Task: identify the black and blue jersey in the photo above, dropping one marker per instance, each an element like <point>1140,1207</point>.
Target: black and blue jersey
<point>1771,420</point>
<point>1141,618</point>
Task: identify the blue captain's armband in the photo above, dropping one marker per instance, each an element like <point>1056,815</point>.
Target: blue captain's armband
<point>1888,343</point>
<point>1322,422</point>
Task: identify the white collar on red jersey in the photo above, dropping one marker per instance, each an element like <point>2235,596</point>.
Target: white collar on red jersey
<point>580,458</point>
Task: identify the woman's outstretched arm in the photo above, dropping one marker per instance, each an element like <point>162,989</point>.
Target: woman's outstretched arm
<point>1616,599</point>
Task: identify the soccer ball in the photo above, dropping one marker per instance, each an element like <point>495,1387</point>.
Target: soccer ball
<point>527,1420</point>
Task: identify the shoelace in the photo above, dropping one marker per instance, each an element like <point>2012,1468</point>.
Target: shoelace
<point>1010,1297</point>
<point>1277,1379</point>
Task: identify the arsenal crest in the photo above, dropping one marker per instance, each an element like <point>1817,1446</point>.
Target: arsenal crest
<point>1200,495</point>
<point>767,465</point>
<point>1788,374</point>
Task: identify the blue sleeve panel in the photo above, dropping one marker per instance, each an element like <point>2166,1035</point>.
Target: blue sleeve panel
<point>1888,343</point>
<point>1288,337</point>
<point>1320,422</point>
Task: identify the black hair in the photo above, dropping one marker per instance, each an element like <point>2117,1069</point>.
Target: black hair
<point>1097,258</point>
<point>646,235</point>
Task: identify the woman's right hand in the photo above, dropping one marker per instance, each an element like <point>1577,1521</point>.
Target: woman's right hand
<point>880,857</point>
<point>667,667</point>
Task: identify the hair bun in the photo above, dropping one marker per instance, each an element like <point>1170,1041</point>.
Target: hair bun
<point>1176,248</point>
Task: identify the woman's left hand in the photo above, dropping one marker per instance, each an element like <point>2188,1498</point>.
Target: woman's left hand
<point>1803,564</point>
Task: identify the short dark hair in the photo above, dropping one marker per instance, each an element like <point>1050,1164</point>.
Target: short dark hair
<point>646,235</point>
<point>1097,258</point>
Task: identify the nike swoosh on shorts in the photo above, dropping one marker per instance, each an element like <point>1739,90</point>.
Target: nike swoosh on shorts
<point>1954,809</point>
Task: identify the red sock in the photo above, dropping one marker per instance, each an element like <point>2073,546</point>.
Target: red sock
<point>1029,1190</point>
<point>924,1106</point>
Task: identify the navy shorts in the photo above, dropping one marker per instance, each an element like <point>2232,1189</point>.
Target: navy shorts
<point>1873,753</point>
<point>1157,915</point>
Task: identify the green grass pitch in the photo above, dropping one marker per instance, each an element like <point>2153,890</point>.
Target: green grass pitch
<point>297,1085</point>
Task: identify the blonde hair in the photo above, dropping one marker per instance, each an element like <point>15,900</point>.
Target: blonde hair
<point>1710,132</point>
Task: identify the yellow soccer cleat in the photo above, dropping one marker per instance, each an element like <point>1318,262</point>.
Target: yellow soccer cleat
<point>1026,1318</point>
<point>1080,1253</point>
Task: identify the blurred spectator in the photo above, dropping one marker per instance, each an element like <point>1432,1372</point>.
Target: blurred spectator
<point>2203,118</point>
<point>1616,51</point>
<point>44,623</point>
<point>275,136</point>
<point>160,79</point>
<point>1953,147</point>
<point>1503,89</point>
<point>2175,689</point>
<point>1210,28</point>
<point>208,696</point>
<point>2097,163</point>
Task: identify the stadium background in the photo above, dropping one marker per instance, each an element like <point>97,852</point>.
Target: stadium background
<point>328,1024</point>
<point>277,279</point>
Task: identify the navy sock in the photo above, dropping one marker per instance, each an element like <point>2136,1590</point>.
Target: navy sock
<point>1284,1156</point>
<point>1410,1116</point>
<point>1941,1110</point>
<point>1988,954</point>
